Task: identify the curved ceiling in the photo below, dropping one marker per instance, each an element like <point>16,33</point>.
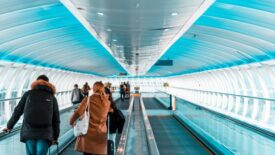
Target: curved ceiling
<point>45,33</point>
<point>137,33</point>
<point>229,33</point>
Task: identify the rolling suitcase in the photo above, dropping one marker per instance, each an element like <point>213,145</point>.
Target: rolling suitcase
<point>111,144</point>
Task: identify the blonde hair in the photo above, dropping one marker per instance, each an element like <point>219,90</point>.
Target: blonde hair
<point>98,88</point>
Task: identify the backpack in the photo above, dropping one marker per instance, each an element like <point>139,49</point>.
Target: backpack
<point>85,88</point>
<point>80,95</point>
<point>38,110</point>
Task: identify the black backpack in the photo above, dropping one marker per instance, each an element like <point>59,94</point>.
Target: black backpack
<point>38,110</point>
<point>81,96</point>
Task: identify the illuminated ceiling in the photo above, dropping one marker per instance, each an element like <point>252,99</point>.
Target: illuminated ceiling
<point>131,36</point>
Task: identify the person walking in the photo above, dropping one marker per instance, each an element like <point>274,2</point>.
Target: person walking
<point>116,119</point>
<point>122,90</point>
<point>86,89</point>
<point>77,95</point>
<point>127,92</point>
<point>41,122</point>
<point>95,141</point>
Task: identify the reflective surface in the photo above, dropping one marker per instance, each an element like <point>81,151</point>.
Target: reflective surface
<point>237,138</point>
<point>137,33</point>
<point>245,92</point>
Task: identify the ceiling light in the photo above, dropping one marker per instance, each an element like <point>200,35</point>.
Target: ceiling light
<point>109,30</point>
<point>80,8</point>
<point>100,14</point>
<point>166,29</point>
<point>174,14</point>
<point>114,40</point>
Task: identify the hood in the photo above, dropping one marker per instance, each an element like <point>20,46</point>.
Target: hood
<point>43,85</point>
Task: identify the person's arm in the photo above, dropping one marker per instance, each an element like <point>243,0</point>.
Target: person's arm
<point>56,120</point>
<point>79,111</point>
<point>18,111</point>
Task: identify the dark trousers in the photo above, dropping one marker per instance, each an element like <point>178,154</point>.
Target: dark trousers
<point>122,96</point>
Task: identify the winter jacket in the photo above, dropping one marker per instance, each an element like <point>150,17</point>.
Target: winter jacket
<point>95,141</point>
<point>29,132</point>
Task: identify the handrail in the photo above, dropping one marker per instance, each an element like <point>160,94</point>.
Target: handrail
<point>153,148</point>
<point>255,127</point>
<point>124,135</point>
<point>229,94</point>
<point>16,98</point>
<point>18,127</point>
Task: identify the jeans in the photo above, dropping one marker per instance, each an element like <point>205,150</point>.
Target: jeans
<point>37,147</point>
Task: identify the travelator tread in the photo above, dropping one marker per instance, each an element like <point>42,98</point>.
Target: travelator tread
<point>152,104</point>
<point>170,135</point>
<point>172,138</point>
<point>122,105</point>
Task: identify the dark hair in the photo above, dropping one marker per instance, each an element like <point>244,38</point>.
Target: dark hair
<point>43,77</point>
<point>107,90</point>
<point>75,85</point>
<point>113,104</point>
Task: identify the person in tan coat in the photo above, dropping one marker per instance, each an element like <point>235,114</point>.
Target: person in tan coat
<point>95,141</point>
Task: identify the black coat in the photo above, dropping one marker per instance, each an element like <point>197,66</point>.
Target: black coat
<point>27,131</point>
<point>117,121</point>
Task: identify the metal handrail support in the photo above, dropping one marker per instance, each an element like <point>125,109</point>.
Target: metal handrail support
<point>153,148</point>
<point>124,135</point>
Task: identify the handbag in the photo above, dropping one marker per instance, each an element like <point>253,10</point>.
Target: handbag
<point>82,123</point>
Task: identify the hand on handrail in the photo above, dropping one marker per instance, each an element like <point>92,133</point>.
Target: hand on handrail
<point>7,130</point>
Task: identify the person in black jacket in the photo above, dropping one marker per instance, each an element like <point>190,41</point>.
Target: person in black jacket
<point>41,123</point>
<point>116,119</point>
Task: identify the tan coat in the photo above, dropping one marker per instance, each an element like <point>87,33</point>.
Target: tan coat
<point>95,141</point>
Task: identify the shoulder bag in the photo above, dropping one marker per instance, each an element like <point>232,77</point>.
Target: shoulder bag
<point>82,123</point>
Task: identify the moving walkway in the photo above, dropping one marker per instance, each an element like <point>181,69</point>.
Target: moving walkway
<point>151,128</point>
